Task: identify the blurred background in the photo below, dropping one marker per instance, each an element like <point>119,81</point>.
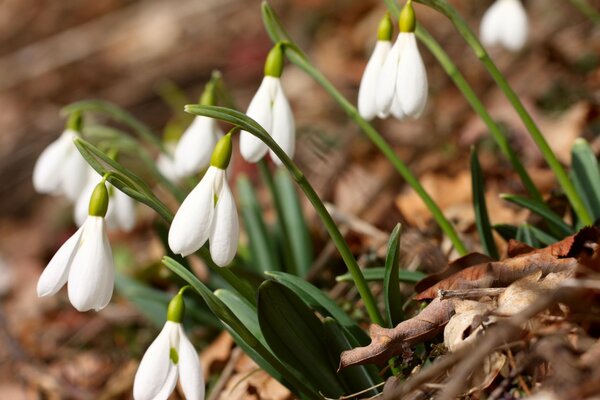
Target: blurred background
<point>128,52</point>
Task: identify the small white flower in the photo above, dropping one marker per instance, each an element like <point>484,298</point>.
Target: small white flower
<point>85,261</point>
<point>196,145</point>
<point>60,169</point>
<point>367,92</point>
<point>169,356</point>
<point>505,23</point>
<point>166,164</point>
<point>201,218</point>
<point>121,208</point>
<point>270,108</point>
<point>402,85</point>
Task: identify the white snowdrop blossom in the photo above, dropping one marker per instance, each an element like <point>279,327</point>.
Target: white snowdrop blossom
<point>60,169</point>
<point>165,162</point>
<point>196,145</point>
<point>367,91</point>
<point>505,24</point>
<point>271,109</point>
<point>402,86</point>
<point>85,261</point>
<point>121,208</point>
<point>169,357</point>
<point>209,213</point>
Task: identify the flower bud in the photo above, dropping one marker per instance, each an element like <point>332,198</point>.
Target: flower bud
<point>99,201</point>
<point>176,308</point>
<point>75,122</point>
<point>386,28</point>
<point>208,97</point>
<point>408,21</point>
<point>222,153</point>
<point>274,62</point>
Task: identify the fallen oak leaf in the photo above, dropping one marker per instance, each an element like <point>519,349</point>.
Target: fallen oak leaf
<point>386,343</point>
<point>557,257</point>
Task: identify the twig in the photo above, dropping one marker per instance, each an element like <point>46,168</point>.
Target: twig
<point>236,353</point>
<point>469,293</point>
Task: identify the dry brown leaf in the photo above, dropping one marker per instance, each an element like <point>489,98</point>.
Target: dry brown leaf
<point>217,352</point>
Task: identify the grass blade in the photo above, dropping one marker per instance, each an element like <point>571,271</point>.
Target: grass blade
<point>482,219</point>
<point>391,283</point>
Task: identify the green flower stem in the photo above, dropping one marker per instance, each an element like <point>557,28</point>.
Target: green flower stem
<point>283,229</point>
<point>461,26</point>
<point>296,56</point>
<point>588,10</point>
<point>460,82</point>
<point>249,125</point>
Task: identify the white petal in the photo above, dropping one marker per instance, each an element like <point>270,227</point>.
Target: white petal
<point>57,271</point>
<point>260,110</point>
<point>224,230</point>
<point>74,174</point>
<point>411,86</point>
<point>123,208</point>
<point>190,371</point>
<point>47,171</point>
<point>92,273</point>
<point>386,84</point>
<point>156,376</point>
<point>196,145</point>
<point>166,166</point>
<point>490,29</point>
<point>367,106</point>
<point>396,108</point>
<point>284,129</point>
<point>515,26</point>
<point>190,227</point>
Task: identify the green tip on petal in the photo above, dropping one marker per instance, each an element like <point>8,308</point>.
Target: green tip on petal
<point>274,62</point>
<point>222,153</point>
<point>408,21</point>
<point>75,121</point>
<point>208,97</point>
<point>386,28</point>
<point>99,201</point>
<point>176,309</point>
<point>173,355</point>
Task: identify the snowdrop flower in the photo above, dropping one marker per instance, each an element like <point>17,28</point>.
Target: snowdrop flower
<point>85,260</point>
<point>121,207</point>
<point>197,143</point>
<point>61,169</point>
<point>402,85</point>
<point>505,24</point>
<point>165,162</point>
<point>170,356</point>
<point>209,212</point>
<point>367,106</point>
<point>270,108</point>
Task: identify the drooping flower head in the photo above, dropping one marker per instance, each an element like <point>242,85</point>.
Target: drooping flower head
<point>169,357</point>
<point>209,212</point>
<point>367,92</point>
<point>270,108</point>
<point>402,86</point>
<point>505,24</point>
<point>85,261</point>
<point>197,143</point>
<point>60,169</point>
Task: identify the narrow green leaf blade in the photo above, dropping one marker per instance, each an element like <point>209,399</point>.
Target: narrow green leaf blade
<point>553,220</point>
<point>482,219</point>
<point>586,175</point>
<point>391,283</point>
<point>506,231</point>
<point>378,273</point>
<point>526,235</point>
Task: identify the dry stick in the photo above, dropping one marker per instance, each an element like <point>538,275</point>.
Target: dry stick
<point>469,293</point>
<point>477,350</point>
<point>227,371</point>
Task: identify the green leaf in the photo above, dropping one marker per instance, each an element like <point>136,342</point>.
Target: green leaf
<point>391,283</point>
<point>554,221</point>
<point>526,235</point>
<point>296,336</point>
<point>356,378</point>
<point>378,274</point>
<point>586,176</point>
<point>482,219</point>
<point>118,114</point>
<point>242,334</point>
<point>544,238</point>
<point>506,231</point>
<point>261,244</point>
<point>295,224</point>
<point>316,299</point>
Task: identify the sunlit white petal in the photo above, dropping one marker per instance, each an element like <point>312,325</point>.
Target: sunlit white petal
<point>190,371</point>
<point>260,110</point>
<point>283,129</point>
<point>367,106</point>
<point>224,230</point>
<point>57,271</point>
<point>47,173</point>
<point>411,85</point>
<point>91,275</point>
<point>196,145</point>
<point>386,84</point>
<point>123,208</point>
<point>190,227</point>
<point>505,23</point>
<point>166,166</point>
<point>74,174</point>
